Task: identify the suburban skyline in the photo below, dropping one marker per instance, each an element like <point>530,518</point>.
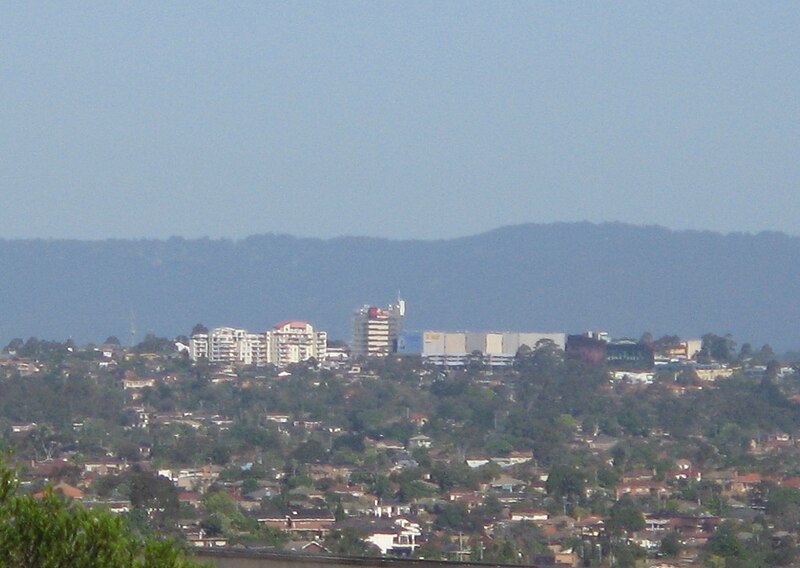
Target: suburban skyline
<point>412,120</point>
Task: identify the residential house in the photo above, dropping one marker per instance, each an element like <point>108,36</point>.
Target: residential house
<point>309,521</point>
<point>420,441</point>
<point>397,537</point>
<point>530,515</point>
<point>642,488</point>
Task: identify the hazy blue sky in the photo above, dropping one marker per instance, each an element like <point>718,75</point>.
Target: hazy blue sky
<point>405,119</point>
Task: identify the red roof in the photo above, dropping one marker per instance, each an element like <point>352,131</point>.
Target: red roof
<point>748,478</point>
<point>292,323</point>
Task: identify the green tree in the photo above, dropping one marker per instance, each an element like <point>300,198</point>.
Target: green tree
<point>347,542</point>
<point>154,494</point>
<point>527,538</point>
<point>454,516</point>
<point>625,516</point>
<point>565,482</point>
<point>310,451</point>
<point>52,533</point>
<point>718,348</point>
<point>199,328</point>
<point>415,489</point>
<point>725,543</point>
<point>627,555</point>
<point>382,487</point>
<point>220,503</point>
<point>154,344</point>
<point>666,342</point>
<point>783,504</point>
<point>670,544</point>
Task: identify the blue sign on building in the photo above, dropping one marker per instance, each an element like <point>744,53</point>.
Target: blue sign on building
<point>409,343</point>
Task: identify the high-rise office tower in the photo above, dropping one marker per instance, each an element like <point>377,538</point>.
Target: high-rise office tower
<point>375,330</point>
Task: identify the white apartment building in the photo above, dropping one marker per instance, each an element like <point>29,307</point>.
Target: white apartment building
<point>198,346</point>
<point>230,345</point>
<point>290,342</point>
<point>375,330</point>
<point>295,341</point>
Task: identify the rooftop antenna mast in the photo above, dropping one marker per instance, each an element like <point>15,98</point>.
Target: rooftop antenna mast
<point>401,304</point>
<point>133,328</point>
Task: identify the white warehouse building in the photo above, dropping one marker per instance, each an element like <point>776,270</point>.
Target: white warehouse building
<point>497,348</point>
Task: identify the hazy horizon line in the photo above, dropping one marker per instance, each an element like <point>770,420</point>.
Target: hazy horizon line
<point>235,239</point>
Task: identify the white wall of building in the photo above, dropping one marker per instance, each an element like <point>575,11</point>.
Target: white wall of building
<point>290,342</point>
<point>375,330</point>
<point>455,343</point>
<point>500,346</point>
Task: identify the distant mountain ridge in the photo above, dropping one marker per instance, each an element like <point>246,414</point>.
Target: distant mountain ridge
<point>558,277</point>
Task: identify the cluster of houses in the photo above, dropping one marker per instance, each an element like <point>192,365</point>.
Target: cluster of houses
<point>400,528</point>
<point>334,497</point>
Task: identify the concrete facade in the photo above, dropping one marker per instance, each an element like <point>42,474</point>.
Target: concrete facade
<point>375,330</point>
<point>498,348</point>
<point>289,342</point>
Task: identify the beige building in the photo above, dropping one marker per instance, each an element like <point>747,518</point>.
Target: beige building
<point>296,341</point>
<point>685,349</point>
<point>375,330</point>
<point>498,348</point>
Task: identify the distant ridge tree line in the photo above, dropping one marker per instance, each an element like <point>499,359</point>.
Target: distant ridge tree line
<point>568,277</point>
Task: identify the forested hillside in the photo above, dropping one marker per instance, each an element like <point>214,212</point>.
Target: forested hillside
<point>562,277</point>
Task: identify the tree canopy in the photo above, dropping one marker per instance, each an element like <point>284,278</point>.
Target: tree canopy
<point>50,532</point>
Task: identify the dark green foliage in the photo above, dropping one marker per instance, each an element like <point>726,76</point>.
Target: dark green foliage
<point>526,540</point>
<point>718,348</point>
<point>50,533</point>
<point>450,476</point>
<point>708,494</point>
<point>607,477</point>
<point>415,489</point>
<point>627,555</point>
<point>310,452</point>
<point>199,328</point>
<point>154,494</point>
<point>154,344</point>
<point>782,505</point>
<point>499,551</point>
<point>670,544</point>
<point>58,400</point>
<point>455,517</point>
<point>783,552</point>
<point>348,542</point>
<point>750,546</point>
<point>352,442</point>
<point>625,517</point>
<point>725,543</point>
<point>565,482</point>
